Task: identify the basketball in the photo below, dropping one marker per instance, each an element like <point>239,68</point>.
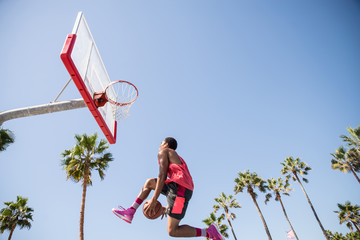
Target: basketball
<point>158,210</point>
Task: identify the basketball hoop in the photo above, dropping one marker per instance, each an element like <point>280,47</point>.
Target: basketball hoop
<point>121,95</point>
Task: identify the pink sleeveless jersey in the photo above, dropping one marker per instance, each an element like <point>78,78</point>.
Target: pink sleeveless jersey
<point>180,174</point>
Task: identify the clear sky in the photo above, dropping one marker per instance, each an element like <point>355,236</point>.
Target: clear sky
<point>240,84</point>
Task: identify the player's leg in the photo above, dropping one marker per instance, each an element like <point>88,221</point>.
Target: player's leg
<point>128,214</point>
<point>178,198</point>
<point>149,185</point>
<point>175,230</point>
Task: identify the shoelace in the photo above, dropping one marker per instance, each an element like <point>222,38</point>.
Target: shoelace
<point>121,208</point>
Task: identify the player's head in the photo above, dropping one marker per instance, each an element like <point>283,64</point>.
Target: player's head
<point>171,142</point>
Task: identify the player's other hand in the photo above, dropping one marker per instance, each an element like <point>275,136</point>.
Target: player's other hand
<point>164,212</point>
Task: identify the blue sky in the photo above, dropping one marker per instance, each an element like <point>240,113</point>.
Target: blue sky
<point>241,85</point>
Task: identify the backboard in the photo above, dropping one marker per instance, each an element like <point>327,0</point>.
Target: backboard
<point>83,62</point>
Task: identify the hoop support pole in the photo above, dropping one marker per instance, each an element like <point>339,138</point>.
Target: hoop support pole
<point>41,109</point>
<point>62,90</point>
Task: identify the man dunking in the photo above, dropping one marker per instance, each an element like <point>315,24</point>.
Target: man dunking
<point>177,188</point>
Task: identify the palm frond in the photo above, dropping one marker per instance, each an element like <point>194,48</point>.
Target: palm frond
<point>295,167</point>
<point>7,137</point>
<point>348,214</point>
<point>267,197</point>
<point>354,139</point>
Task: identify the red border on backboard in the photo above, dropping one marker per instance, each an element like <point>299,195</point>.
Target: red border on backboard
<point>70,66</point>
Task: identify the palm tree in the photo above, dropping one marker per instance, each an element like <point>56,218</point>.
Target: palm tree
<point>353,236</point>
<point>278,187</point>
<point>353,154</point>
<point>15,214</point>
<point>335,236</point>
<point>350,214</point>
<point>348,160</point>
<point>85,156</point>
<point>250,181</point>
<point>218,220</point>
<point>340,236</point>
<point>294,168</point>
<point>354,139</point>
<point>227,202</point>
<point>6,138</point>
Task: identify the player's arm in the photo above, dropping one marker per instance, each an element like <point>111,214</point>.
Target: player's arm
<point>163,157</point>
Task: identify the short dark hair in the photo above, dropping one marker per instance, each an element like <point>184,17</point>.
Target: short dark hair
<point>172,143</point>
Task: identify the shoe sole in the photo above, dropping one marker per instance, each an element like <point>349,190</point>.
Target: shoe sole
<point>122,217</point>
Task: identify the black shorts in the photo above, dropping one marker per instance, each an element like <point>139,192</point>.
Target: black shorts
<point>178,198</point>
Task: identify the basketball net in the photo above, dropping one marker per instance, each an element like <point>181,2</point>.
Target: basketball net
<point>121,94</point>
<point>121,112</point>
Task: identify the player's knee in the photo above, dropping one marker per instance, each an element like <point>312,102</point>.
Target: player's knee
<point>150,183</point>
<point>172,232</point>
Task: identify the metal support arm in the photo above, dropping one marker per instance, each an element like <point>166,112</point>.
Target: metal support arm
<point>41,109</point>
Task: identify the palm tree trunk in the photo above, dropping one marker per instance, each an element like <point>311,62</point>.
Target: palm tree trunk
<point>312,208</point>
<point>82,211</point>
<point>232,230</point>
<point>357,228</point>
<point>11,232</point>
<point>261,216</point>
<point>283,208</point>
<point>352,170</point>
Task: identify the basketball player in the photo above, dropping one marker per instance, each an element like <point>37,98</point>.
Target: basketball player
<point>177,188</point>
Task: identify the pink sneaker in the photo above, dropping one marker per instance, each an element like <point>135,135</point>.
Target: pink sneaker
<point>125,214</point>
<point>214,232</point>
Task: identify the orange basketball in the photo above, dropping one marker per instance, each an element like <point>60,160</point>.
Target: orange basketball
<point>158,210</point>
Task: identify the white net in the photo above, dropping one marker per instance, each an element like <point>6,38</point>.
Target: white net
<point>121,95</point>
<point>121,112</point>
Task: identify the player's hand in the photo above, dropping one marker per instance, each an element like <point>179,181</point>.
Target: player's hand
<point>152,205</point>
<point>164,212</point>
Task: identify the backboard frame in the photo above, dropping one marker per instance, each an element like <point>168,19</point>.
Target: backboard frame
<point>79,79</point>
